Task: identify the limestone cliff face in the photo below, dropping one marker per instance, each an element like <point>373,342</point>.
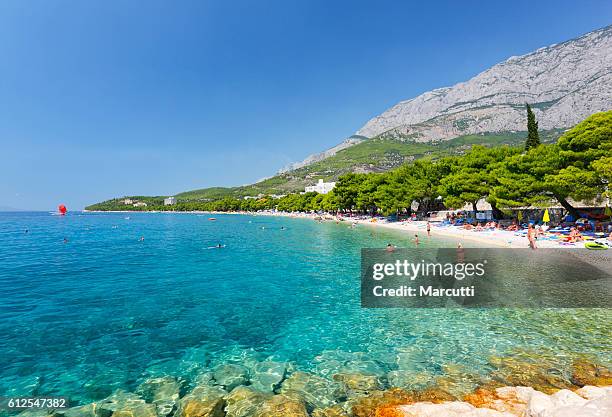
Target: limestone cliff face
<point>564,83</point>
<point>353,140</point>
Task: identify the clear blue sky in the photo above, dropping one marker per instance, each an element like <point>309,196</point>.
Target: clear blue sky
<point>112,98</point>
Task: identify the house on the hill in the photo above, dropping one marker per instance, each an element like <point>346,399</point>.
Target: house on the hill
<point>320,187</point>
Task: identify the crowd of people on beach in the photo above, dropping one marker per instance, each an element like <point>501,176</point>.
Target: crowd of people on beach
<point>564,233</point>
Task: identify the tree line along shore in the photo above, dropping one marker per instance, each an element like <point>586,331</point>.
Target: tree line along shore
<point>576,168</point>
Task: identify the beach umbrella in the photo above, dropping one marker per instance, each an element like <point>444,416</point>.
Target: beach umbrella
<point>546,217</point>
<point>608,211</point>
<point>520,215</point>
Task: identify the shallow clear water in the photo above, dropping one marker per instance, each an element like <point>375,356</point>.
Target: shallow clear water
<point>106,311</point>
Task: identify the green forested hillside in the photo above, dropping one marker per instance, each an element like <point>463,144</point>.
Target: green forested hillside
<point>372,155</point>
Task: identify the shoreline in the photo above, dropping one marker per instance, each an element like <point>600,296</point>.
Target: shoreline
<point>494,238</point>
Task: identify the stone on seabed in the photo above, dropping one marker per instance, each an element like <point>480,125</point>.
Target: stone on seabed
<point>230,375</point>
<point>585,372</point>
<point>335,411</point>
<point>316,391</point>
<point>124,404</point>
<point>202,401</point>
<point>164,392</point>
<point>282,406</point>
<point>202,408</point>
<point>355,384</point>
<point>87,410</point>
<point>244,401</point>
<point>268,375</point>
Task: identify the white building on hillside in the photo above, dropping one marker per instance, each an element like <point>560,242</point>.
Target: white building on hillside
<point>169,201</point>
<point>321,187</point>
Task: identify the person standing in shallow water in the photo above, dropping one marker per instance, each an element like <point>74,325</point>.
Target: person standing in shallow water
<point>460,254</point>
<point>428,229</point>
<point>416,239</point>
<point>531,236</point>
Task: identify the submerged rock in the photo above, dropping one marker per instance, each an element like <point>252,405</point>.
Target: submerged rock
<point>230,375</point>
<point>39,413</point>
<point>409,379</point>
<point>585,372</point>
<point>331,362</point>
<point>204,378</point>
<point>124,404</point>
<point>379,403</point>
<point>282,406</point>
<point>202,401</point>
<point>434,395</point>
<point>164,392</point>
<point>87,410</point>
<point>244,401</point>
<point>213,407</point>
<point>316,391</point>
<point>335,411</point>
<point>267,376</point>
<point>540,375</point>
<point>355,384</point>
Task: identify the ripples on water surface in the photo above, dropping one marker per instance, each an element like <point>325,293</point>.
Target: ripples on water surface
<point>106,311</point>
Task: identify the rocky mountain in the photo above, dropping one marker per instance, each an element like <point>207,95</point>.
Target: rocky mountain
<point>353,140</point>
<point>564,83</point>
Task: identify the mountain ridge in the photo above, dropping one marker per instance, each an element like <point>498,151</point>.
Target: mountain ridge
<point>564,83</point>
<point>551,75</point>
<point>554,96</point>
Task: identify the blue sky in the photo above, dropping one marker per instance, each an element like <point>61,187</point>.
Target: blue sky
<point>105,99</point>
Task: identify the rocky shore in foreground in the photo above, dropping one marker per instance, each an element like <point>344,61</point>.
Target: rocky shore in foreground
<point>274,389</point>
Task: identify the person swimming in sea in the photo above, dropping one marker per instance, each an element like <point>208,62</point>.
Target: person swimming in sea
<point>217,246</point>
<point>141,238</point>
<point>390,247</point>
<point>65,240</point>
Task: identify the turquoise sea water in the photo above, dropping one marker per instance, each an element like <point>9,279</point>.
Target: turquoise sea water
<point>106,310</point>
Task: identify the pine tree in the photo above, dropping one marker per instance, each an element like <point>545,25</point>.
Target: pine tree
<point>533,139</point>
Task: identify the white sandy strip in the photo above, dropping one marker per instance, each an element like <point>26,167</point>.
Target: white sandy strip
<point>486,239</point>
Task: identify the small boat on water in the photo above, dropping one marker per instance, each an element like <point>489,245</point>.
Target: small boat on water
<point>212,218</point>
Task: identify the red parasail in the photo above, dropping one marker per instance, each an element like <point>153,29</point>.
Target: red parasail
<point>62,209</point>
